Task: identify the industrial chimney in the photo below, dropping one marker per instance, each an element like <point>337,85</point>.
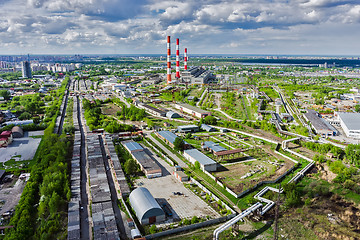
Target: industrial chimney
<point>177,59</point>
<point>168,61</point>
<point>185,59</point>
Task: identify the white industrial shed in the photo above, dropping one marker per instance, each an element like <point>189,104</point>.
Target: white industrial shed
<point>147,210</point>
<point>350,123</point>
<point>206,163</point>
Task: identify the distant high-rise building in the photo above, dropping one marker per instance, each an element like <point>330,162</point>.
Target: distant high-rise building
<point>26,69</point>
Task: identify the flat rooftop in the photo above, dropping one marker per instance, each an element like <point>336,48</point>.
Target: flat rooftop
<point>195,109</point>
<point>317,122</point>
<point>146,162</point>
<point>351,120</point>
<point>132,146</point>
<point>169,136</point>
<point>200,157</point>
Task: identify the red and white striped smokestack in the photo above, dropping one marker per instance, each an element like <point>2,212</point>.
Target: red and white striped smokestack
<point>177,59</point>
<point>185,59</point>
<point>168,61</point>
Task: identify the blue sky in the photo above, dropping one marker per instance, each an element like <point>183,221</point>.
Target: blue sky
<point>316,27</point>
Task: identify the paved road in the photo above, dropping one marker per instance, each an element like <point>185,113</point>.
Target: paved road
<point>85,228</point>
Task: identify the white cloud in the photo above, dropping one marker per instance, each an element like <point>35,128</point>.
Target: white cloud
<point>141,26</point>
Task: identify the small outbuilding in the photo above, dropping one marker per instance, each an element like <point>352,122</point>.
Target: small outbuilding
<point>17,132</point>
<point>147,209</point>
<point>207,128</point>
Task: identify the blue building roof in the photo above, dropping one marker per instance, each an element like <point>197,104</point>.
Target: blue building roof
<point>132,146</point>
<point>169,136</point>
<point>214,146</point>
<point>200,157</point>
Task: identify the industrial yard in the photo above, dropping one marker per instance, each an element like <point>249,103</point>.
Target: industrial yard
<point>183,205</point>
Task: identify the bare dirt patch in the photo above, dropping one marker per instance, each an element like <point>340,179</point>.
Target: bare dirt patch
<point>327,218</point>
<point>110,109</point>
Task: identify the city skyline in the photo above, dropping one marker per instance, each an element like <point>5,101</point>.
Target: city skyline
<point>311,27</point>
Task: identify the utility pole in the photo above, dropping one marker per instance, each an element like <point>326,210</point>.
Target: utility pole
<point>277,215</point>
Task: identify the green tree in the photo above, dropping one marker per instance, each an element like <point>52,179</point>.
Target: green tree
<point>130,166</point>
<point>211,120</point>
<point>5,94</point>
<point>197,165</point>
<point>179,144</point>
<point>68,128</point>
<point>31,107</point>
<point>293,197</point>
<point>357,108</point>
<point>25,116</point>
<point>153,229</point>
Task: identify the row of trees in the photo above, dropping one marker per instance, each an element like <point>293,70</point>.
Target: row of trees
<point>42,210</point>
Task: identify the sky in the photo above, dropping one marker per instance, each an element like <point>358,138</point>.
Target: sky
<point>272,27</point>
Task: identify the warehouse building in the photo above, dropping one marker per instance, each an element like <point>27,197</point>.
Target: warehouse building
<point>152,110</point>
<point>206,163</point>
<point>188,128</point>
<point>147,210</point>
<point>132,146</point>
<point>194,111</point>
<point>207,128</point>
<point>350,123</point>
<point>147,164</point>
<point>320,126</point>
<point>169,138</point>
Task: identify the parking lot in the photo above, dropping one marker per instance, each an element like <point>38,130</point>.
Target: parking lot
<point>183,205</point>
<point>24,147</point>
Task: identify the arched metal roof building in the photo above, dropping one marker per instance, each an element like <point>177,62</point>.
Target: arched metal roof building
<point>147,210</point>
<point>171,114</point>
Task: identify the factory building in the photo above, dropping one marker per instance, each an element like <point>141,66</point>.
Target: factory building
<point>206,163</point>
<point>320,126</point>
<point>197,75</point>
<point>147,210</point>
<point>194,111</point>
<point>350,123</point>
